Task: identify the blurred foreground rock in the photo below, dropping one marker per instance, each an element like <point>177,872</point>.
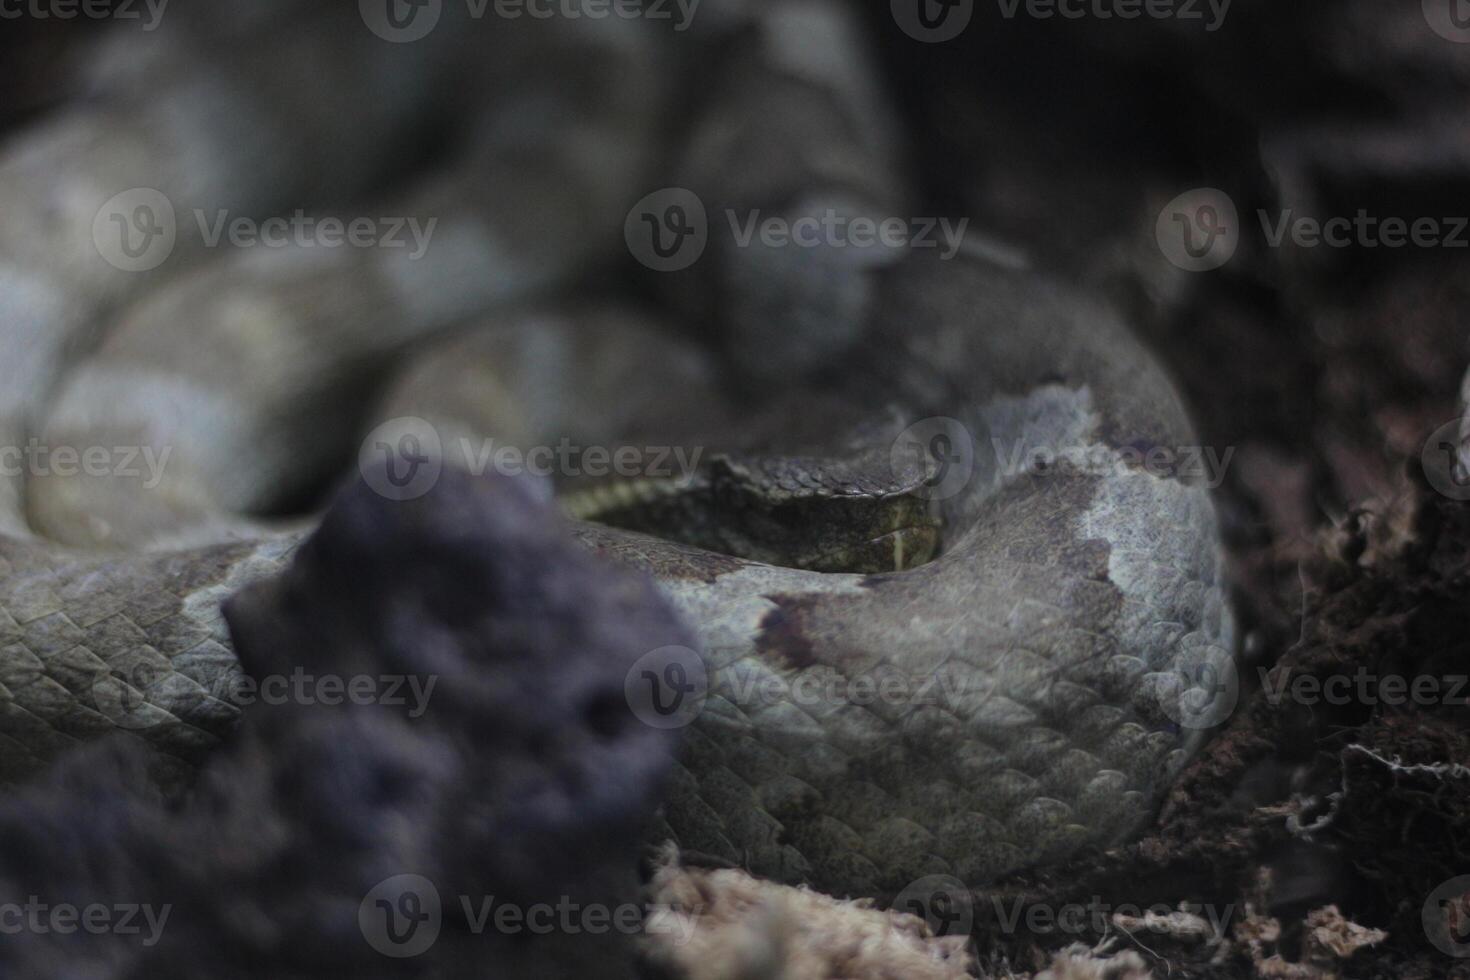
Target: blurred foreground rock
<point>366,839</point>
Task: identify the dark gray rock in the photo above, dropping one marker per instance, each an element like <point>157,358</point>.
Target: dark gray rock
<point>521,776</point>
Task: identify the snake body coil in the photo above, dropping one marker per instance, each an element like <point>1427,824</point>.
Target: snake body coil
<point>1024,694</point>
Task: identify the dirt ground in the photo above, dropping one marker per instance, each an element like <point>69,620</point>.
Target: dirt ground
<point>1323,371</point>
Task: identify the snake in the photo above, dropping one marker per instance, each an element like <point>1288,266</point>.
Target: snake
<point>954,615</point>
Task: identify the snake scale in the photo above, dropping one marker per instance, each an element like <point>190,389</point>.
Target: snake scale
<point>1035,667</point>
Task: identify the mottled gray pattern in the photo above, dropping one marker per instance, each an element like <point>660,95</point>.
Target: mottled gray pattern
<point>91,644</point>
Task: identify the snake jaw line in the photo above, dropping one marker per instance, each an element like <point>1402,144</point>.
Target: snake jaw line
<point>593,503</point>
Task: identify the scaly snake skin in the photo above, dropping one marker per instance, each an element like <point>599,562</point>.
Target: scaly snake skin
<point>1042,667</point>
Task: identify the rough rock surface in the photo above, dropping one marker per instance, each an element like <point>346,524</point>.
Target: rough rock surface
<point>522,775</point>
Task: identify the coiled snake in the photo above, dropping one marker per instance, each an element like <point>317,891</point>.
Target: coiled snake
<point>862,716</point>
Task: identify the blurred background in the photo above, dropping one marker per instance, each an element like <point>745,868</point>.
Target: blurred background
<point>1174,156</point>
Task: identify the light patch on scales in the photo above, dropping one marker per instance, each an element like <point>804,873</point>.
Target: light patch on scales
<point>727,614</point>
<point>589,504</point>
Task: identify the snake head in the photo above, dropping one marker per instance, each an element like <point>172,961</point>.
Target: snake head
<point>859,513</point>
